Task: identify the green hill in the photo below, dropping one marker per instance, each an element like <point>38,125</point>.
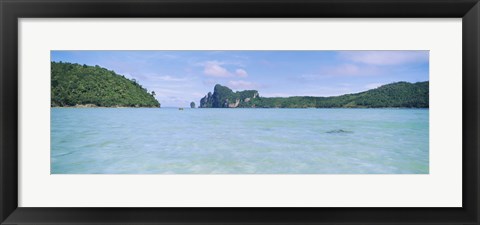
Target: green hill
<point>395,95</point>
<point>75,84</point>
<point>224,97</point>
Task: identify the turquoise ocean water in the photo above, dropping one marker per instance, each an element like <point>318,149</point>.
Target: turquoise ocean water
<point>239,141</point>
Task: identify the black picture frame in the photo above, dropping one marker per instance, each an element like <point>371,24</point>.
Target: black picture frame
<point>12,10</point>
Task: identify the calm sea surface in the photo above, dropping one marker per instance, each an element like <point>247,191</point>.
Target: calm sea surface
<point>239,141</point>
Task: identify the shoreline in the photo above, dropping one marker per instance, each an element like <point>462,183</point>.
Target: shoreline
<point>86,106</point>
<point>126,107</point>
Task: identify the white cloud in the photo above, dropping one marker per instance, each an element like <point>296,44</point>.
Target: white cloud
<point>241,73</point>
<point>386,57</point>
<point>241,84</point>
<point>214,69</point>
<point>218,69</point>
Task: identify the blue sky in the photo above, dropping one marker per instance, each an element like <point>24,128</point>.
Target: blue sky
<point>180,77</point>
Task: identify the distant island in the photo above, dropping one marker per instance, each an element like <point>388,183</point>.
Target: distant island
<point>394,95</point>
<point>75,85</point>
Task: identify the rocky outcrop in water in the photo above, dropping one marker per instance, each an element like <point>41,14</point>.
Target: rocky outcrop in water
<point>224,97</point>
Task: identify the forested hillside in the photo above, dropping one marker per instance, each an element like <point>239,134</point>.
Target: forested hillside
<point>224,97</point>
<point>77,85</point>
<point>400,94</point>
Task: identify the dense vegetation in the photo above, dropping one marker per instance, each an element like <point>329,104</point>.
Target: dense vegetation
<point>400,94</point>
<point>75,84</point>
<point>224,97</point>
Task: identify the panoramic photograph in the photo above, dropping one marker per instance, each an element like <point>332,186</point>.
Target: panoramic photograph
<point>239,112</point>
